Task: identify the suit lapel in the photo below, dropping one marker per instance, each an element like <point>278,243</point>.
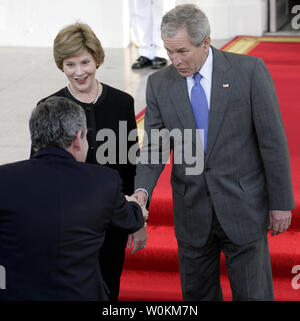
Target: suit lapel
<point>220,90</point>
<point>181,101</point>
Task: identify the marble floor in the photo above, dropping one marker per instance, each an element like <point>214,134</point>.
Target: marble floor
<point>29,74</point>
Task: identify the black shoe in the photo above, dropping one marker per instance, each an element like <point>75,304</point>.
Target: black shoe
<point>158,62</point>
<point>142,62</point>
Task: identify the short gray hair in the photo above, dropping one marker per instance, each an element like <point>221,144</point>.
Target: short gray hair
<point>55,122</point>
<point>187,16</point>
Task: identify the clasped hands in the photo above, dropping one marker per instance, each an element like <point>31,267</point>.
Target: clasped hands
<point>139,238</point>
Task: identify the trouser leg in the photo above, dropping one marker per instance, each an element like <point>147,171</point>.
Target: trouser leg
<point>141,23</point>
<point>249,270</point>
<point>200,274</point>
<point>111,260</point>
<point>248,266</point>
<point>200,270</point>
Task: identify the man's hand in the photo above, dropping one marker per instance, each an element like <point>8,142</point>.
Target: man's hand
<point>142,205</point>
<point>141,197</point>
<point>280,221</point>
<point>139,239</point>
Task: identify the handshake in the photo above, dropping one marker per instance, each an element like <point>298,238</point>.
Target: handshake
<point>139,238</point>
<point>142,204</point>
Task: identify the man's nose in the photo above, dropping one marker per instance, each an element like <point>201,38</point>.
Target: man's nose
<point>176,60</point>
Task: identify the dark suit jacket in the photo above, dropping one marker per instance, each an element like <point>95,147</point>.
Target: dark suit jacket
<point>246,165</point>
<point>53,215</point>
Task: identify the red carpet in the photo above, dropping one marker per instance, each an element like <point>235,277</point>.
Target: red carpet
<point>152,274</point>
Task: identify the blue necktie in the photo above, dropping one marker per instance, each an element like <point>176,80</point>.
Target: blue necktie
<point>200,106</point>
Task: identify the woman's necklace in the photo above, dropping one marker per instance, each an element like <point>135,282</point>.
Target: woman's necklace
<point>99,91</point>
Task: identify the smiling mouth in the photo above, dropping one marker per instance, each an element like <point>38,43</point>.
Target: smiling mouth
<point>81,80</point>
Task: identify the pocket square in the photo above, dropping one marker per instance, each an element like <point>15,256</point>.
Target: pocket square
<point>225,85</point>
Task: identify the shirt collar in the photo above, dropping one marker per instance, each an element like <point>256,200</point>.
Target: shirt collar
<point>53,151</point>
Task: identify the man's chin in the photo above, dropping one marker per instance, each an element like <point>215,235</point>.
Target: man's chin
<point>184,73</point>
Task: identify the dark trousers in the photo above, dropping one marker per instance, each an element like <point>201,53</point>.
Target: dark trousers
<point>111,260</point>
<point>248,267</point>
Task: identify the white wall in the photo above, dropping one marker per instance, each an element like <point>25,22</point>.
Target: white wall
<point>229,18</point>
<point>36,22</point>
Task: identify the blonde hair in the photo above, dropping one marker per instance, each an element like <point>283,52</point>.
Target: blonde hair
<point>72,39</point>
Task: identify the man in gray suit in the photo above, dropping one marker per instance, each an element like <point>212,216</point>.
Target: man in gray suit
<point>245,186</point>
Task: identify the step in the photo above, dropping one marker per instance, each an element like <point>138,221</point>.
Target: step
<point>150,286</point>
<point>161,212</point>
<point>284,252</point>
<point>161,252</point>
<point>165,286</point>
<point>161,205</point>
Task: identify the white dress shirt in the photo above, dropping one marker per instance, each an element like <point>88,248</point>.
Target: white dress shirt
<point>206,72</point>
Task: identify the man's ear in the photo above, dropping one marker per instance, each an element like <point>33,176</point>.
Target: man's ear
<point>75,146</point>
<point>206,42</point>
<point>77,141</point>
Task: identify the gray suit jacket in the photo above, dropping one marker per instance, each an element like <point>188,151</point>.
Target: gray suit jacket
<point>246,166</point>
